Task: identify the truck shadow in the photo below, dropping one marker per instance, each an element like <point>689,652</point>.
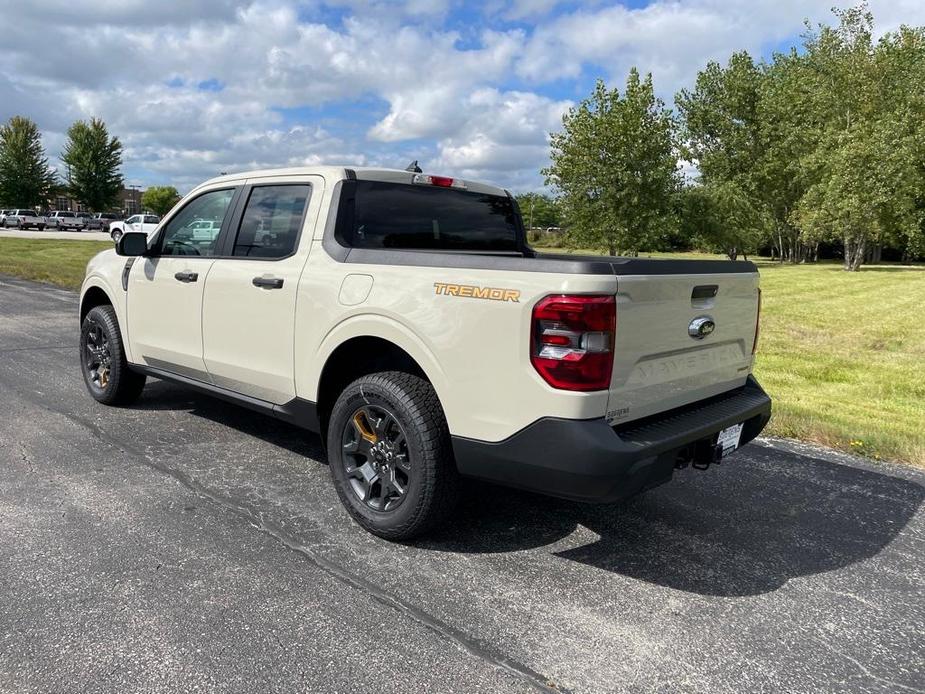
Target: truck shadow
<point>765,517</point>
<point>744,528</point>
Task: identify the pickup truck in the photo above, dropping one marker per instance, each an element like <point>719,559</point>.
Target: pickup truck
<point>65,220</point>
<point>404,318</point>
<point>146,223</point>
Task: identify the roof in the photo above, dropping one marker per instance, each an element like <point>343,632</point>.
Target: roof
<point>339,172</point>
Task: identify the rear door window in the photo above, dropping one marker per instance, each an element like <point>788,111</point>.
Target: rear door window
<point>423,217</point>
<point>272,221</point>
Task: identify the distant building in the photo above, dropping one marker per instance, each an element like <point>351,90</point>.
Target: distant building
<point>129,203</point>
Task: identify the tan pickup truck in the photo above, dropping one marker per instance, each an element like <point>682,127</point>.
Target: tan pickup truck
<point>404,318</point>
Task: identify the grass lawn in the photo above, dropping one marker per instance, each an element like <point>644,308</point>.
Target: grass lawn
<point>842,354</point>
<point>58,262</point>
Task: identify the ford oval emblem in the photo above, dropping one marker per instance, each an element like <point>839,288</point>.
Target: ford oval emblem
<point>701,327</point>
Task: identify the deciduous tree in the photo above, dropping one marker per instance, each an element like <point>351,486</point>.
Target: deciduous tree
<point>160,199</point>
<point>615,168</point>
<point>93,159</point>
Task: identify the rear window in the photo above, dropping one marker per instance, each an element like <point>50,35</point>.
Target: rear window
<point>407,216</point>
<point>65,214</point>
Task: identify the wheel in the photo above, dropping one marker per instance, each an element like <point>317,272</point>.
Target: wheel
<point>116,234</point>
<point>390,455</point>
<point>41,227</point>
<point>102,360</point>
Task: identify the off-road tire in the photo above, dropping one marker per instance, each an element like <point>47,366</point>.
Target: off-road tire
<point>433,483</point>
<point>123,386</point>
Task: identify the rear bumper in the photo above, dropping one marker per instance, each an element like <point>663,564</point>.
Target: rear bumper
<point>588,460</point>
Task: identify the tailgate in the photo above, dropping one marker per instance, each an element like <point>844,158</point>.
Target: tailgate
<point>658,364</point>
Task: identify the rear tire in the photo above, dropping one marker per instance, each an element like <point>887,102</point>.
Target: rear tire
<point>102,359</point>
<point>390,455</point>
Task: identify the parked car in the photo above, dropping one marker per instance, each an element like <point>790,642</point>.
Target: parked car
<point>138,222</point>
<point>23,219</point>
<point>101,221</point>
<point>64,220</point>
<point>405,317</point>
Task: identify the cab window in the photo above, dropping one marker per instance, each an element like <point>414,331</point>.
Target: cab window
<point>271,221</point>
<point>183,234</point>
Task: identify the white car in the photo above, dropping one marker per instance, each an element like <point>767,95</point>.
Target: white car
<point>138,222</point>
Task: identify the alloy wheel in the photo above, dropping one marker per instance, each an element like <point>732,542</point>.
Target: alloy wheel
<point>375,457</point>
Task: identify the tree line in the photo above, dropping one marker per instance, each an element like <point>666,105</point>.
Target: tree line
<point>92,159</point>
<point>824,144</point>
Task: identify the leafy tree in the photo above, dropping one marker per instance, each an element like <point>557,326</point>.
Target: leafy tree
<point>722,217</point>
<point>25,178</point>
<point>93,160</point>
<point>614,166</point>
<point>722,129</point>
<point>539,210</point>
<point>867,102</point>
<point>160,199</point>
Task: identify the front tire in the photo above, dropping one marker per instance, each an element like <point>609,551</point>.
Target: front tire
<point>390,455</point>
<point>102,360</point>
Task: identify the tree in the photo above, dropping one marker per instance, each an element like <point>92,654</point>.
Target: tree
<point>614,167</point>
<point>93,160</point>
<point>722,128</point>
<point>723,217</point>
<point>160,199</point>
<point>866,169</point>
<point>25,178</point>
<point>539,210</point>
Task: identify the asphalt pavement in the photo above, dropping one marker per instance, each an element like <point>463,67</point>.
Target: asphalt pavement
<point>184,544</point>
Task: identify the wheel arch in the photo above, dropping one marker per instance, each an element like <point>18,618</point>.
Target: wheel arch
<point>358,350</point>
<point>93,296</point>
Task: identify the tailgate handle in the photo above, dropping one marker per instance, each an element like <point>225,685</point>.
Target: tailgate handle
<point>704,291</point>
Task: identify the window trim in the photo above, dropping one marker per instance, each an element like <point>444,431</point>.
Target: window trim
<point>227,240</point>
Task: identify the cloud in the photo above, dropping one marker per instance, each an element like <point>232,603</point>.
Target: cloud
<point>202,86</point>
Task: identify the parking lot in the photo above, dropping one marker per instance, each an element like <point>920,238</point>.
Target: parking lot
<point>185,544</point>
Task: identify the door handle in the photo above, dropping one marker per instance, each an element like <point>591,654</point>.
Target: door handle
<point>268,282</point>
<point>186,276</point>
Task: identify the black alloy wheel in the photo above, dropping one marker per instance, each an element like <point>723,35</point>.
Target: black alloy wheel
<point>96,355</point>
<point>375,457</point>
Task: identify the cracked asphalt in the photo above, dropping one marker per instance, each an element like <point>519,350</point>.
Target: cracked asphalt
<point>184,544</point>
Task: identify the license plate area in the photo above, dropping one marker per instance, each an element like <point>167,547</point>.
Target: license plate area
<point>728,439</point>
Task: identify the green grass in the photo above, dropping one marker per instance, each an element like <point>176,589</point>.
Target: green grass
<point>61,263</point>
<point>842,354</point>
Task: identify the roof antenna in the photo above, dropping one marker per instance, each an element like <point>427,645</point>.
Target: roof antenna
<point>413,167</point>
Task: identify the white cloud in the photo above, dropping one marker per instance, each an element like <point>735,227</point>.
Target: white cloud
<point>370,81</point>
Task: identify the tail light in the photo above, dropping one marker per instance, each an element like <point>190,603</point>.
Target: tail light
<point>572,339</point>
<point>757,324</point>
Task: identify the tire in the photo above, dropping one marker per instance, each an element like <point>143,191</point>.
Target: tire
<point>115,234</point>
<point>102,360</point>
<point>41,227</point>
<point>389,406</point>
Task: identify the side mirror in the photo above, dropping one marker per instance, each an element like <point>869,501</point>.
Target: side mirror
<point>132,243</point>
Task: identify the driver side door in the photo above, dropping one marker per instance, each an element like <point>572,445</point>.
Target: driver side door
<point>165,287</point>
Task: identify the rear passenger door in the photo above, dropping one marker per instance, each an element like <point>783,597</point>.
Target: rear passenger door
<point>248,310</point>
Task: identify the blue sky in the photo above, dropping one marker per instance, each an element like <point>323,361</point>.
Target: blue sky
<point>197,87</point>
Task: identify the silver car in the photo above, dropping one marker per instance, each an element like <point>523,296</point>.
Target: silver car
<point>23,219</point>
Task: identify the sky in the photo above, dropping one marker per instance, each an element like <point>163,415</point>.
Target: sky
<point>194,88</point>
